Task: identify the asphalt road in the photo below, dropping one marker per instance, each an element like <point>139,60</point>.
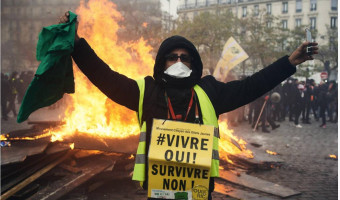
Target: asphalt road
<point>307,167</point>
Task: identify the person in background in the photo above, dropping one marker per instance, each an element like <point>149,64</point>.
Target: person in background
<point>277,106</point>
<point>21,87</point>
<point>331,95</point>
<point>251,111</point>
<point>298,96</point>
<point>13,84</point>
<point>5,93</point>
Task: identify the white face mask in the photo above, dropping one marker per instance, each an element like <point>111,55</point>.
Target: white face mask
<point>178,70</point>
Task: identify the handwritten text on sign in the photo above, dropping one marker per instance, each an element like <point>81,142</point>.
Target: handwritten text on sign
<point>179,158</point>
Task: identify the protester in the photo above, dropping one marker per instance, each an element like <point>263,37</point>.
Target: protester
<point>176,80</point>
<point>308,99</point>
<point>13,84</point>
<point>276,106</point>
<point>299,95</point>
<point>324,98</point>
<point>331,95</point>
<point>21,87</point>
<point>285,98</point>
<point>315,103</point>
<point>5,93</point>
<point>251,111</point>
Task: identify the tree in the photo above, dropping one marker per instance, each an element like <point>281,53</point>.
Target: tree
<point>208,32</point>
<point>328,54</point>
<point>141,19</point>
<point>262,39</point>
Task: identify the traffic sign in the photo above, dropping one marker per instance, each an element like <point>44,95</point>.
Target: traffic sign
<point>324,75</point>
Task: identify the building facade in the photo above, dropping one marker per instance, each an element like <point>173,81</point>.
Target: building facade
<point>316,14</point>
<point>21,22</point>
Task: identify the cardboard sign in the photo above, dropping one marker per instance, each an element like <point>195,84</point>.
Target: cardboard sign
<point>179,160</point>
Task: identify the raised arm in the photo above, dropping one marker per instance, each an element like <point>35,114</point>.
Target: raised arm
<point>229,96</point>
<point>117,87</point>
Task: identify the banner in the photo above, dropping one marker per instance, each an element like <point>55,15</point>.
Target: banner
<point>232,55</point>
<point>180,160</point>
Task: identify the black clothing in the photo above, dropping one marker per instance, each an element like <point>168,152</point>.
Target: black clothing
<point>5,93</point>
<point>224,96</point>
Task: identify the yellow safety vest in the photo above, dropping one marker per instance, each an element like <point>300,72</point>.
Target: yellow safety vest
<point>209,118</point>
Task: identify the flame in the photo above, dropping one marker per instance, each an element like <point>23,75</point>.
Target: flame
<point>72,146</point>
<point>91,112</point>
<point>45,134</point>
<point>145,24</point>
<point>332,156</point>
<point>3,137</point>
<point>227,146</point>
<point>271,152</point>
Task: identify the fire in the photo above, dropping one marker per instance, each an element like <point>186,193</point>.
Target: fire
<point>271,152</point>
<point>91,112</point>
<point>332,156</point>
<point>145,24</point>
<point>230,144</point>
<point>4,137</point>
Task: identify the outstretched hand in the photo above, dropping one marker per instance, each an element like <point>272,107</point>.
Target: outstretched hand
<point>300,54</point>
<point>66,18</point>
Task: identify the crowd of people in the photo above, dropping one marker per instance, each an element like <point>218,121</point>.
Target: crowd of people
<point>13,88</point>
<point>294,100</point>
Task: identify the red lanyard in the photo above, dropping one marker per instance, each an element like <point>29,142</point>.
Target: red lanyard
<point>179,117</point>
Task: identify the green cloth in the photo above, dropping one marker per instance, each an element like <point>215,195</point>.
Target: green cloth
<point>54,76</point>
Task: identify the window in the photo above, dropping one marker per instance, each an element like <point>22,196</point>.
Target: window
<point>244,11</point>
<point>284,24</point>
<point>333,22</point>
<point>298,22</point>
<point>201,3</point>
<point>334,5</point>
<point>256,10</point>
<point>298,6</point>
<point>312,5</point>
<point>312,23</point>
<point>269,9</point>
<point>284,7</point>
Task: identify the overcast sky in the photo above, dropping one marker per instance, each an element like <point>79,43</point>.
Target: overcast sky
<point>173,6</point>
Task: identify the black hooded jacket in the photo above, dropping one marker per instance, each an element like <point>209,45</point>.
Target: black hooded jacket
<point>224,96</point>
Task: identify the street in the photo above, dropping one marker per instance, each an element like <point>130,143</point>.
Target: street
<point>307,167</point>
<point>305,151</point>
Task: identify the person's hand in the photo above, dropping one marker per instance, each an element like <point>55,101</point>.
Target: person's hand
<point>66,18</point>
<point>300,54</point>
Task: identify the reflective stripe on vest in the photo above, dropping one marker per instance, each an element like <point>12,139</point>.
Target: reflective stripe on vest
<point>208,116</point>
<point>139,170</point>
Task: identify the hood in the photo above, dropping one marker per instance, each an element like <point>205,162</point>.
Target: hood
<point>165,48</point>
